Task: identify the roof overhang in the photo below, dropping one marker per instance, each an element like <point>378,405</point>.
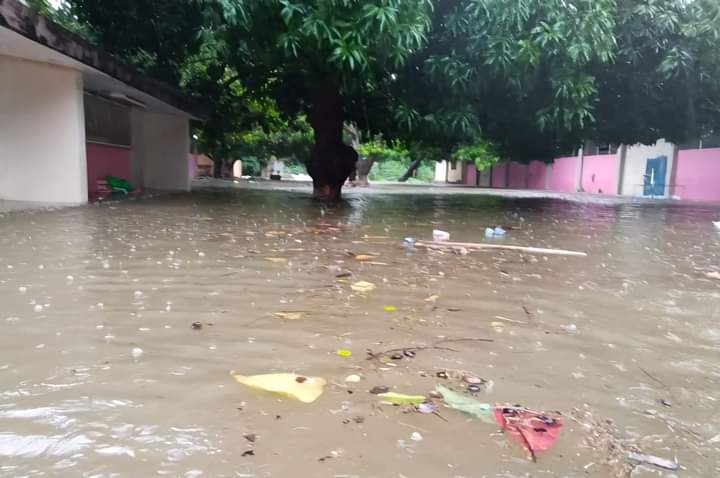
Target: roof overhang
<point>26,35</point>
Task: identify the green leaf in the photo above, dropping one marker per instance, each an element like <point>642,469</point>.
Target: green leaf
<point>401,399</point>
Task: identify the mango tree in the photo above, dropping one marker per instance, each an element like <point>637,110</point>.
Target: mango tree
<point>318,54</point>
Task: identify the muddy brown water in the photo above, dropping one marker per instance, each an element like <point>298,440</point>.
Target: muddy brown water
<point>615,334</point>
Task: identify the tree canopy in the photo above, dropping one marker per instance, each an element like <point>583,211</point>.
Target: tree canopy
<point>527,79</point>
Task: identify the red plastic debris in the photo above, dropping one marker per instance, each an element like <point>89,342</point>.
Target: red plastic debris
<point>535,431</point>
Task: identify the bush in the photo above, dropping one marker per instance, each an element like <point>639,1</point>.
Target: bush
<point>251,166</point>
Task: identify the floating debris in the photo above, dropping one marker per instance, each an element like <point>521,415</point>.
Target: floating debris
<point>290,315</point>
<point>298,387</point>
<point>363,286</point>
<point>654,460</point>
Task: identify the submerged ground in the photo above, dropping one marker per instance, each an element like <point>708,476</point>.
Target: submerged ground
<point>103,375</point>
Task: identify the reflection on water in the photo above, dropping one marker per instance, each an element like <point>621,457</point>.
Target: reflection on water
<point>630,333</point>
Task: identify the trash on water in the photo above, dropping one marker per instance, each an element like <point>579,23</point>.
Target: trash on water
<point>497,231</point>
<point>713,275</point>
<point>379,389</point>
<point>277,260</point>
<point>196,326</point>
<point>534,431</point>
<point>440,236</point>
<point>426,407</point>
<point>353,378</point>
<point>298,387</point>
<point>716,224</point>
<point>654,460</point>
<point>363,286</point>
<point>402,399</point>
<point>364,257</point>
<point>416,436</point>
<point>343,352</point>
<point>463,403</point>
<point>390,308</point>
<point>136,352</point>
<point>409,241</point>
<point>290,315</point>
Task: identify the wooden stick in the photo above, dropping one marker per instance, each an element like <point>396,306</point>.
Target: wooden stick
<point>474,245</point>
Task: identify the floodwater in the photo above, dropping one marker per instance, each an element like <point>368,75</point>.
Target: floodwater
<point>103,375</point>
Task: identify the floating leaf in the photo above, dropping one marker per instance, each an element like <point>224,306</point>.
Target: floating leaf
<point>535,431</point>
<point>401,399</point>
<point>363,286</point>
<point>458,401</point>
<point>298,387</point>
<point>390,308</point>
<point>343,352</point>
<point>290,315</point>
<point>277,260</point>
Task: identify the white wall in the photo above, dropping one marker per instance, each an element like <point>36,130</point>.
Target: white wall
<point>42,133</point>
<point>440,171</point>
<point>159,153</point>
<point>635,162</point>
<point>455,175</point>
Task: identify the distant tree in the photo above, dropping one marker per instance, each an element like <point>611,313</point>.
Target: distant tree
<point>665,77</point>
<point>317,55</point>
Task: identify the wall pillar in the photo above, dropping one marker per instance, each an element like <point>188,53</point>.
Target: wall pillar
<point>580,165</point>
<point>42,133</point>
<point>160,149</point>
<point>621,153</point>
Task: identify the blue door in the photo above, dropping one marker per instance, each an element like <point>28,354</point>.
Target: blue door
<point>654,178</point>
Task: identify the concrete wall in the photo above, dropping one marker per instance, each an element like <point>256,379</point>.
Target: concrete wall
<point>697,175</point>
<point>564,174</point>
<point>160,148</point>
<point>600,173</point>
<point>537,175</point>
<point>635,166</point>
<point>104,161</point>
<point>517,176</point>
<point>455,175</point>
<point>42,133</point>
<point>440,172</point>
<point>484,179</point>
<point>499,175</point>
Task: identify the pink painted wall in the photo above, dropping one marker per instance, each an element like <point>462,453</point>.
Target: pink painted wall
<point>537,174</point>
<point>106,161</point>
<point>564,174</point>
<point>600,174</point>
<point>499,175</point>
<point>697,175</point>
<point>470,174</point>
<point>518,176</point>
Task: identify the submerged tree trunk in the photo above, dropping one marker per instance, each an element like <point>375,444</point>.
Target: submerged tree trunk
<point>364,166</point>
<point>331,161</point>
<point>410,171</point>
<point>217,168</point>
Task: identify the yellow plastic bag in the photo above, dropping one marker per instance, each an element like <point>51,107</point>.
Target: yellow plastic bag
<point>298,387</point>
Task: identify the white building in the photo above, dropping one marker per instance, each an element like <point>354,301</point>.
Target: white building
<point>71,115</point>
